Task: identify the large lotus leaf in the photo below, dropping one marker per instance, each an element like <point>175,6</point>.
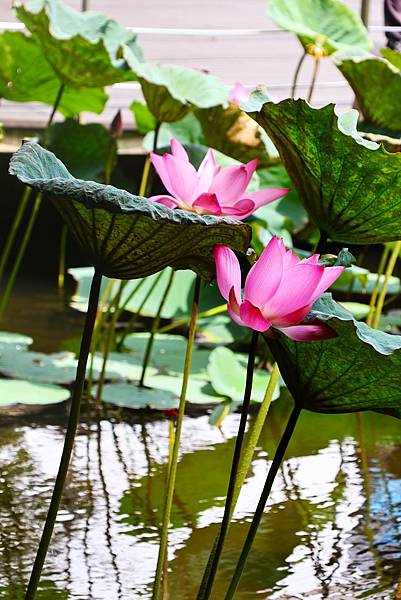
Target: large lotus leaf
<point>84,149</point>
<point>84,48</point>
<point>358,370</point>
<point>127,236</point>
<point>187,130</point>
<point>375,82</point>
<point>328,23</point>
<point>351,187</point>
<point>26,76</point>
<point>171,91</point>
<point>17,391</point>
<point>131,396</point>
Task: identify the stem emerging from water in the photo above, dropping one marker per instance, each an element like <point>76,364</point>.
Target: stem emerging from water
<point>278,457</point>
<point>389,271</point>
<point>174,458</point>
<point>296,74</point>
<point>69,439</point>
<point>14,228</point>
<point>229,506</point>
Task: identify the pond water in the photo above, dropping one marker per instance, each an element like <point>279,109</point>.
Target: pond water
<point>332,528</point>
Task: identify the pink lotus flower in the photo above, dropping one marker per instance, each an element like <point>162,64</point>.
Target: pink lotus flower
<point>279,291</point>
<point>239,93</point>
<point>210,189</point>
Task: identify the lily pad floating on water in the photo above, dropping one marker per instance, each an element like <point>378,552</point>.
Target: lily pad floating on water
<point>16,341</point>
<point>84,48</point>
<point>361,281</point>
<point>26,76</point>
<point>328,23</point>
<point>18,391</point>
<point>355,196</point>
<point>131,396</point>
<point>127,236</point>
<point>358,370</point>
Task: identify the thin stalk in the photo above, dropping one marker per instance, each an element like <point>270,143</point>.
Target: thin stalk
<point>296,74</point>
<point>62,261</point>
<point>365,12</point>
<point>206,313</point>
<point>246,459</point>
<point>69,439</point>
<point>174,459</point>
<point>108,167</point>
<point>171,437</point>
<point>54,110</point>
<point>314,76</point>
<point>14,228</point>
<point>11,280</point>
<point>154,328</point>
<point>389,271</point>
<point>375,292</point>
<point>278,457</point>
<point>205,594</point>
<point>145,177</point>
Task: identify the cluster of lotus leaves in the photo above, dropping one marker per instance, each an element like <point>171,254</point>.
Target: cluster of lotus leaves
<point>127,236</point>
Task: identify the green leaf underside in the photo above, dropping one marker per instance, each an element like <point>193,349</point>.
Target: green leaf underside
<point>331,22</point>
<point>127,236</point>
<point>84,48</point>
<point>26,76</point>
<point>358,370</point>
<point>371,79</point>
<point>171,91</point>
<point>351,191</point>
<point>17,391</point>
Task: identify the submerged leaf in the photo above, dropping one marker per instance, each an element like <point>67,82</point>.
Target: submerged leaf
<point>351,191</point>
<point>127,236</point>
<point>358,370</point>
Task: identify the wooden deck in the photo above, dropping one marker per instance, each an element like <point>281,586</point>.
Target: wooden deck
<point>267,58</point>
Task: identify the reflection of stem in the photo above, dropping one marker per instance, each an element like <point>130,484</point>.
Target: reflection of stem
<point>296,74</point>
<point>278,457</point>
<point>154,328</point>
<point>387,275</point>
<point>14,228</point>
<point>382,264</point>
<point>314,76</point>
<point>89,512</point>
<point>245,461</point>
<point>174,461</point>
<point>62,261</point>
<point>69,438</point>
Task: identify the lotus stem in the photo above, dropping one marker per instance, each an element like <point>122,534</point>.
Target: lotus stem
<point>321,244</point>
<point>217,310</point>
<point>278,457</point>
<point>14,228</point>
<point>246,459</point>
<point>389,271</point>
<point>296,73</point>
<point>56,104</point>
<point>62,261</point>
<point>69,438</point>
<point>145,177</point>
<point>11,280</point>
<point>365,12</point>
<point>375,292</point>
<point>174,458</point>
<point>314,77</point>
<point>154,328</point>
<point>230,499</point>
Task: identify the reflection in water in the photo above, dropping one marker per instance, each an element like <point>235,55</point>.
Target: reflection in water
<point>332,528</point>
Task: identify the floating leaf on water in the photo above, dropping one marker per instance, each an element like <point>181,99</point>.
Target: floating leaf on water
<point>127,236</point>
<point>361,281</point>
<point>358,370</point>
<point>357,309</point>
<point>355,196</point>
<point>198,391</point>
<point>18,391</point>
<point>16,341</point>
<point>131,396</point>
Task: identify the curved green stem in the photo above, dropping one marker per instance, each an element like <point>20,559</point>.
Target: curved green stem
<point>62,261</point>
<point>204,594</point>
<point>389,271</point>
<point>174,458</point>
<point>11,280</point>
<point>69,439</point>
<point>296,74</point>
<point>154,328</point>
<point>13,231</point>
<point>375,292</point>
<point>278,457</point>
<point>314,77</point>
<point>56,104</point>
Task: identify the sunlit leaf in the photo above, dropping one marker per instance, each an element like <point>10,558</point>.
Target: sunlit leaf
<point>144,120</point>
<point>16,341</point>
<point>127,236</point>
<point>131,396</point>
<point>18,391</point>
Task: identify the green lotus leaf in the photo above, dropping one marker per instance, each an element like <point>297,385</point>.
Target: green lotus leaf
<point>18,391</point>
<point>16,341</point>
<point>127,236</point>
<point>328,23</point>
<point>358,370</point>
<point>351,187</point>
<point>26,76</point>
<point>131,396</point>
<point>372,78</point>
<point>84,149</point>
<point>199,391</point>
<point>84,48</point>
<point>187,130</point>
<point>144,120</point>
<point>172,91</point>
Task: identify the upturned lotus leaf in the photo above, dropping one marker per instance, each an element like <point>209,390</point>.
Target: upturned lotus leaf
<point>350,186</point>
<point>357,370</point>
<point>84,48</point>
<point>127,236</point>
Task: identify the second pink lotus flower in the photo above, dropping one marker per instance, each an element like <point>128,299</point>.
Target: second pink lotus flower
<point>210,189</point>
<point>280,290</point>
